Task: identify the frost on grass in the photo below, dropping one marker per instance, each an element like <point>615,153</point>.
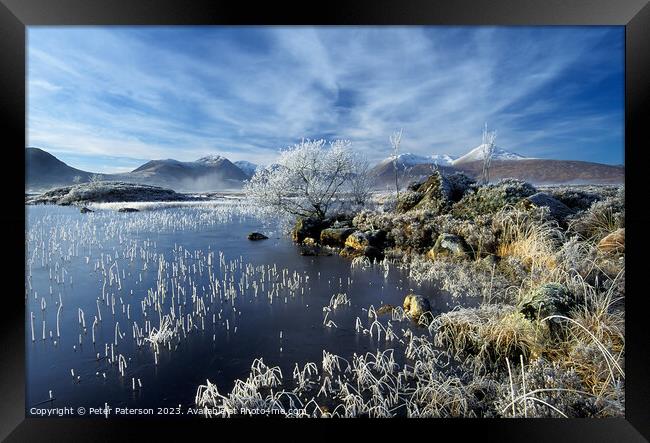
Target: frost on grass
<point>492,360</point>
<point>372,385</point>
<point>568,355</point>
<point>504,375</point>
<point>601,218</point>
<point>459,278</point>
<point>489,333</point>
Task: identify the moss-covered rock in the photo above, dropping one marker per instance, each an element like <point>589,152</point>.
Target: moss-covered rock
<point>377,237</point>
<point>374,254</point>
<point>415,306</point>
<point>478,232</point>
<point>491,198</point>
<point>313,250</point>
<point>437,186</point>
<point>368,243</point>
<point>449,244</point>
<point>360,240</point>
<point>335,236</point>
<point>461,184</point>
<point>557,210</point>
<point>307,227</point>
<point>437,193</point>
<point>357,240</point>
<point>575,199</point>
<point>440,191</point>
<point>407,200</point>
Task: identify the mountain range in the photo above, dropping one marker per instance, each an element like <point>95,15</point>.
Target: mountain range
<point>211,173</point>
<point>207,173</point>
<point>216,173</point>
<point>408,159</point>
<point>504,164</point>
<point>478,153</point>
<point>43,170</point>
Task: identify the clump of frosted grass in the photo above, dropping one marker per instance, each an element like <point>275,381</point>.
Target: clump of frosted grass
<point>361,262</point>
<point>339,299</point>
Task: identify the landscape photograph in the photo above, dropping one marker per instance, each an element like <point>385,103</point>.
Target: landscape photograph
<point>325,222</point>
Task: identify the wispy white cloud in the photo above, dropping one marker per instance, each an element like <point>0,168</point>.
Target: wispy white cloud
<point>143,93</point>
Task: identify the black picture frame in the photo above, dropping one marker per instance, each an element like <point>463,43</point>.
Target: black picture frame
<point>15,15</point>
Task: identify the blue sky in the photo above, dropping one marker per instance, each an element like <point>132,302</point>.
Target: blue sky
<point>107,99</point>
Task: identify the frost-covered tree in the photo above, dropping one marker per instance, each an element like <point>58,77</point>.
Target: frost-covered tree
<point>488,152</point>
<point>95,178</point>
<point>395,141</point>
<point>76,179</point>
<point>309,179</point>
<point>360,181</point>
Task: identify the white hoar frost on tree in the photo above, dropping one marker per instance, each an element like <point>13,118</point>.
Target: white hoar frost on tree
<point>488,152</point>
<point>310,179</point>
<point>395,141</point>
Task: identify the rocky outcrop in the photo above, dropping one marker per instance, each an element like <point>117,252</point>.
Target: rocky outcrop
<point>340,221</point>
<point>357,240</point>
<point>85,210</point>
<point>557,209</point>
<point>407,200</point>
<point>257,236</point>
<point>362,239</point>
<point>335,236</point>
<point>575,199</point>
<point>415,305</point>
<point>128,210</point>
<point>449,244</point>
<point>491,198</point>
<point>366,243</point>
<point>435,194</point>
<point>307,227</point>
<point>369,251</point>
<point>313,250</point>
<point>102,192</point>
<point>373,253</point>
<point>613,243</point>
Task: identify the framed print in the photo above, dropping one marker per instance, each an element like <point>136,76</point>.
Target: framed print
<point>413,213</point>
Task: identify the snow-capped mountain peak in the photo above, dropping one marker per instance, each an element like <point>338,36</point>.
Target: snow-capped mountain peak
<point>211,160</point>
<point>246,166</point>
<point>442,159</point>
<point>409,159</point>
<point>478,153</point>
